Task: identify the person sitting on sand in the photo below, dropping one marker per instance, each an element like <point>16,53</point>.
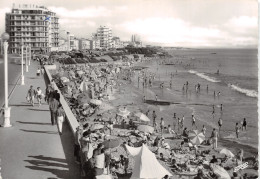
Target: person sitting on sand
<point>174,166</point>
<point>185,133</point>
<point>213,160</point>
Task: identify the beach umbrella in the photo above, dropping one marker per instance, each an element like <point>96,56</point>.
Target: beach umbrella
<point>64,79</point>
<point>142,117</point>
<point>96,102</point>
<point>123,112</point>
<point>96,127</point>
<point>219,171</point>
<point>227,152</point>
<point>145,128</point>
<point>196,137</point>
<point>112,143</point>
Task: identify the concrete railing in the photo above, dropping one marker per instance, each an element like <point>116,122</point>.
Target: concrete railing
<point>69,115</point>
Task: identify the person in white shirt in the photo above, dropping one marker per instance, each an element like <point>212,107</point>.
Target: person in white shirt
<point>39,95</point>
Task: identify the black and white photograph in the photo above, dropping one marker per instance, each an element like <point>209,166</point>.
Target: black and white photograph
<point>137,89</point>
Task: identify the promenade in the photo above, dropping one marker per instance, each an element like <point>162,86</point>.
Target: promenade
<point>32,147</point>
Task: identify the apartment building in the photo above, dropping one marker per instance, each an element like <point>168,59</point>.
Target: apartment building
<point>84,44</point>
<point>33,25</point>
<point>104,34</point>
<point>95,44</point>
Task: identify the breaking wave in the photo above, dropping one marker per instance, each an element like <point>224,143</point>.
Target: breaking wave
<point>248,92</point>
<point>202,75</point>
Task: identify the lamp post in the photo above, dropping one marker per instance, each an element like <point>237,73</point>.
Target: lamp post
<point>29,47</point>
<point>26,60</point>
<point>22,76</point>
<point>5,37</point>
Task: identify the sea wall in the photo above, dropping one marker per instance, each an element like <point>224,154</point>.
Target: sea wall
<point>73,123</point>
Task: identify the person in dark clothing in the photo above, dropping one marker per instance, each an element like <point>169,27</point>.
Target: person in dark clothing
<point>214,160</point>
<point>57,95</point>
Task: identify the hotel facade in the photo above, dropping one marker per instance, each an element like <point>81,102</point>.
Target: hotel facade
<point>33,25</point>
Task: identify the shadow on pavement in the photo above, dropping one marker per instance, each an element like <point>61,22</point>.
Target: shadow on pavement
<point>32,109</point>
<point>62,168</point>
<point>49,164</point>
<point>36,123</point>
<point>67,140</point>
<point>19,105</point>
<point>44,132</point>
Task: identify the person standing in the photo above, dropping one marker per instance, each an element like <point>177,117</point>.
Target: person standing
<point>39,95</point>
<point>237,129</point>
<point>220,123</point>
<point>48,91</point>
<point>203,130</point>
<point>60,118</point>
<point>244,124</point>
<point>162,125</point>
<point>214,136</point>
<point>174,121</point>
<point>154,118</point>
<point>53,104</point>
<point>193,123</point>
<point>30,95</point>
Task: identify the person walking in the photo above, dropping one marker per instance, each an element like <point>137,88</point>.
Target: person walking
<point>214,136</point>
<point>60,118</point>
<point>39,95</point>
<point>30,95</point>
<point>48,92</point>
<point>53,105</point>
<point>193,122</point>
<point>174,121</point>
<point>219,123</point>
<point>237,129</point>
<point>244,124</point>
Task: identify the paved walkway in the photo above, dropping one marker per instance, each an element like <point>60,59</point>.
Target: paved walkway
<point>32,147</point>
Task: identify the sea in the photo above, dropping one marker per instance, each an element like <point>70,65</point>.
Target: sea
<point>232,74</point>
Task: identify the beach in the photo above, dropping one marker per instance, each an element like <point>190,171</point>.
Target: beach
<point>174,90</point>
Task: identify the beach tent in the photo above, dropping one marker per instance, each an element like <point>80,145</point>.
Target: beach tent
<point>146,165</point>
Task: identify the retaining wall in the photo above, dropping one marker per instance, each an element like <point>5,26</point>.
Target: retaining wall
<point>73,123</point>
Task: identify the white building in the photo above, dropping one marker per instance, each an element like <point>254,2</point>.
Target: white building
<point>104,34</point>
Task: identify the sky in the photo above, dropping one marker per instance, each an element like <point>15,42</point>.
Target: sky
<point>186,23</point>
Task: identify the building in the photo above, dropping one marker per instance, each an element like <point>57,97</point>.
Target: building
<point>33,25</point>
<point>84,44</point>
<point>135,38</point>
<point>95,44</point>
<point>104,34</point>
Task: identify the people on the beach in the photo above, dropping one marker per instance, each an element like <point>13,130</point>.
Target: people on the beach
<point>214,136</point>
<point>220,123</point>
<point>193,121</point>
<point>244,124</point>
<point>156,98</point>
<point>237,129</point>
<point>154,118</point>
<point>203,130</point>
<point>162,125</point>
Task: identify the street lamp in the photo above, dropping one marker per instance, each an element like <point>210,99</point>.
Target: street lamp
<point>26,60</point>
<point>5,37</point>
<point>29,46</point>
<point>22,76</point>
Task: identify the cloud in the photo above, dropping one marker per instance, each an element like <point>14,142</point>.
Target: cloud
<point>88,12</point>
<point>243,22</point>
<point>171,31</point>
